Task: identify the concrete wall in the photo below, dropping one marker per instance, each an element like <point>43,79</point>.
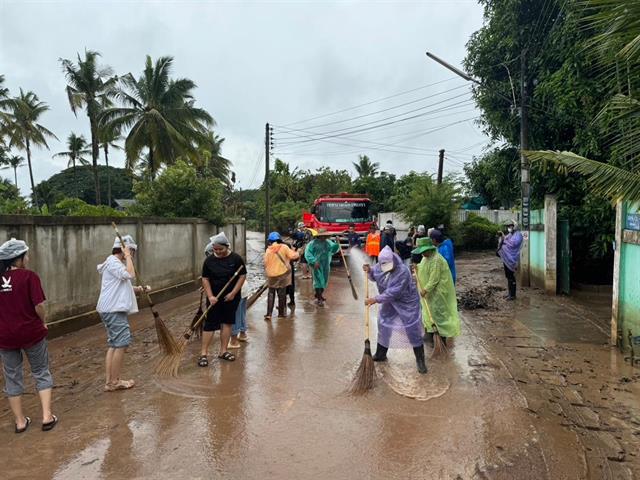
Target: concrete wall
<point>65,251</point>
<point>543,240</point>
<point>625,324</point>
<point>499,217</point>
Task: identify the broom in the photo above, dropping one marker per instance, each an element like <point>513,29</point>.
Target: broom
<point>365,377</point>
<point>165,339</point>
<point>346,267</point>
<point>439,347</point>
<point>197,316</point>
<point>168,365</point>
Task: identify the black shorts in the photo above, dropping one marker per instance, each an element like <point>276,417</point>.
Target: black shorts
<point>221,313</point>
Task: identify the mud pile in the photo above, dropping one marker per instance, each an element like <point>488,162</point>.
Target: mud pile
<point>480,297</point>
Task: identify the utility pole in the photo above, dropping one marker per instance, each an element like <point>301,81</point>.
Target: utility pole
<point>525,280</point>
<point>440,166</point>
<point>267,188</point>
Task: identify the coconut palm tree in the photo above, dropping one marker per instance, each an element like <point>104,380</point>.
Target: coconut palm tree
<point>23,129</point>
<point>617,51</point>
<point>160,116</point>
<point>208,161</point>
<point>88,84</point>
<point>107,139</point>
<point>77,150</point>
<point>365,167</point>
<point>15,162</point>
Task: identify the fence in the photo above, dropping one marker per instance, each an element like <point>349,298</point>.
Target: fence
<point>499,217</point>
<point>64,251</point>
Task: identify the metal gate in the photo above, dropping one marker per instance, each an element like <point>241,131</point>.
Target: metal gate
<point>564,258</point>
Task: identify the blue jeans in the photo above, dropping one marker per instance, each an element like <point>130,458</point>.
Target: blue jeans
<point>241,318</point>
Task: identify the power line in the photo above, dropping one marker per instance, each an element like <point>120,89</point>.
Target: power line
<point>371,102</point>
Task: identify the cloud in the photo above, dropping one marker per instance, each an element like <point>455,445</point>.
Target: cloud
<point>255,62</point>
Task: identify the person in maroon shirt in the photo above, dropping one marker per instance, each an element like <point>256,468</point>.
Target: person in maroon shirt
<point>23,329</point>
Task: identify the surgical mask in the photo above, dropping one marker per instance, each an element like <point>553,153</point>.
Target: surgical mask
<point>510,230</point>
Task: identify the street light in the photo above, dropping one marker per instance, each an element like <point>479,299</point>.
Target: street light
<point>524,162</point>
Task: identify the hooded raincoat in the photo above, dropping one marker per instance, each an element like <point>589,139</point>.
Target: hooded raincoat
<point>320,251</point>
<point>509,250</point>
<point>441,305</point>
<point>399,320</point>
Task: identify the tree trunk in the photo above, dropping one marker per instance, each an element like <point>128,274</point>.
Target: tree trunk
<point>152,170</point>
<point>33,184</point>
<point>15,175</point>
<point>106,161</point>
<point>75,178</point>
<point>95,152</point>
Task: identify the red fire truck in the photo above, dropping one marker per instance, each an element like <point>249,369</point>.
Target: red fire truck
<point>335,212</point>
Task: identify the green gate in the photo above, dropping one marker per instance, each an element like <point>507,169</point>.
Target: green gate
<point>564,258</point>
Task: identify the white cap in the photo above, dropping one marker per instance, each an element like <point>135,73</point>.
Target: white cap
<point>13,249</point>
<point>128,241</point>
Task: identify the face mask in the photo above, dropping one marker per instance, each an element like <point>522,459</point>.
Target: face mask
<point>510,230</point>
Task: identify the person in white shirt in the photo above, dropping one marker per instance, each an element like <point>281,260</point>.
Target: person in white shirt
<point>117,301</point>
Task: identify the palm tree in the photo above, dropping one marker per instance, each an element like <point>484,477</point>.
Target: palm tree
<point>107,139</point>
<point>77,149</point>
<point>23,130</point>
<point>208,160</point>
<point>88,84</point>
<point>616,48</point>
<point>15,162</point>
<point>160,115</point>
<point>365,168</point>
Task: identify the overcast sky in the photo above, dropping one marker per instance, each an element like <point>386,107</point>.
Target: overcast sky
<point>278,62</point>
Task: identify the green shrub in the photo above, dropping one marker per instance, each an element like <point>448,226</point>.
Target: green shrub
<point>475,233</point>
<point>74,207</point>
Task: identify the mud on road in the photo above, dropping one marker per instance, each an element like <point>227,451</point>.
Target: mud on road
<point>531,390</point>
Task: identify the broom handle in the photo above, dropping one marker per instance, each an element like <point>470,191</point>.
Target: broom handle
<point>426,304</point>
<point>346,267</point>
<point>139,280</point>
<point>366,310</point>
<point>204,314</point>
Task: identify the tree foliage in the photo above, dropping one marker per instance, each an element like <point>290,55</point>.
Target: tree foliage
<point>180,192</point>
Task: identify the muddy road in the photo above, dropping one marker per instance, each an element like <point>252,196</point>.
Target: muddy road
<point>530,391</point>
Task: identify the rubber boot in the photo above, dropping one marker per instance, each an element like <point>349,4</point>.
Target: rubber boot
<point>282,302</point>
<point>512,289</point>
<point>420,361</point>
<point>381,354</point>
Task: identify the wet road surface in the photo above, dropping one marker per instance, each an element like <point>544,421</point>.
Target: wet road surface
<point>531,392</point>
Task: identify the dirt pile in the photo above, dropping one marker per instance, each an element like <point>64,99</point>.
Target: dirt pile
<point>481,297</point>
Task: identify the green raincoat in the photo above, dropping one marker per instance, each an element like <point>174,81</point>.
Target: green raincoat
<point>321,251</point>
<point>434,276</point>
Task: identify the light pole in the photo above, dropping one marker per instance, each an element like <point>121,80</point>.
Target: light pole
<point>524,162</point>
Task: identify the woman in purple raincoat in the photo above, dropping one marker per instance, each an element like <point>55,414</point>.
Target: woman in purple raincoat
<point>399,319</point>
<point>509,251</point>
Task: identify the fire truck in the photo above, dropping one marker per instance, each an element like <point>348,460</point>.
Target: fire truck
<point>335,212</point>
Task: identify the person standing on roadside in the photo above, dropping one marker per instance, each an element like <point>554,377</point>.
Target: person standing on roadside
<point>388,236</point>
<point>277,266</point>
<point>23,329</point>
<point>116,302</point>
<point>301,237</point>
<point>353,238</point>
<point>509,247</point>
<point>218,269</point>
<point>372,244</point>
<point>445,248</point>
<point>319,253</point>
<point>421,232</point>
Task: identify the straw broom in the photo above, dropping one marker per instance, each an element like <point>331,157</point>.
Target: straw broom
<point>365,377</point>
<point>168,365</point>
<point>165,339</point>
<point>439,347</point>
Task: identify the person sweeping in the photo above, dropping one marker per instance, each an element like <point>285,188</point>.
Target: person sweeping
<point>218,269</point>
<point>318,254</point>
<point>399,319</point>
<point>277,266</point>
<point>440,313</point>
<point>116,302</point>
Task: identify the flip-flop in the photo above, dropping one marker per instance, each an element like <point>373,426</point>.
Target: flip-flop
<point>267,318</point>
<point>119,385</point>
<point>49,425</point>
<point>24,429</point>
<point>243,339</point>
<point>228,356</point>
<point>233,346</point>
<point>203,361</point>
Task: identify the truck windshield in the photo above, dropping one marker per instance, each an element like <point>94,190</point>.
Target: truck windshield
<point>343,212</point>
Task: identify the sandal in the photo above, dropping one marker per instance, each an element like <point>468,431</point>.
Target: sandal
<point>203,361</point>
<point>119,385</point>
<point>267,318</point>
<point>243,337</point>
<point>49,425</point>
<point>26,425</point>
<point>228,356</point>
<point>231,345</point>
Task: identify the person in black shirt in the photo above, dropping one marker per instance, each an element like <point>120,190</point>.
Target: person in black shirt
<point>217,270</point>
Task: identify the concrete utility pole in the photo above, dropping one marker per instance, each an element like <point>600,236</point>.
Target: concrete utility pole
<point>267,188</point>
<point>440,166</point>
<point>525,279</point>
